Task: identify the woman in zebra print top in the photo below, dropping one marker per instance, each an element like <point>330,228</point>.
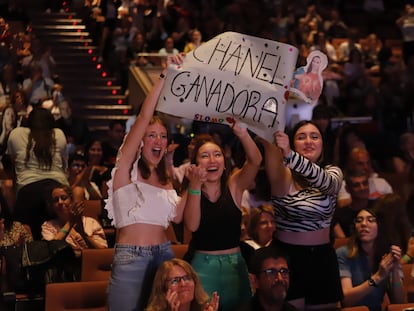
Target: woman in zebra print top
<point>304,199</point>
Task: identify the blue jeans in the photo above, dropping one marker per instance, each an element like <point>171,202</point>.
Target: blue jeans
<point>226,274</point>
<point>133,272</point>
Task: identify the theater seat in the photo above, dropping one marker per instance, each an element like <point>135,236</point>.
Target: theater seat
<point>77,296</point>
<point>400,307</point>
<point>357,308</point>
<point>96,264</point>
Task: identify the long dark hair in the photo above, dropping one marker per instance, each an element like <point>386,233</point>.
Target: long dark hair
<point>381,243</point>
<point>296,176</point>
<point>226,173</point>
<point>160,170</point>
<point>41,137</point>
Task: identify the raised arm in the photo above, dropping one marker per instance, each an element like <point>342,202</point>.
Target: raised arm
<point>243,178</point>
<point>128,151</point>
<point>279,176</point>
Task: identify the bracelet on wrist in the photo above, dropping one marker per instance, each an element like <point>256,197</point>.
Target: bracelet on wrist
<point>194,192</point>
<point>396,284</point>
<point>63,230</point>
<point>407,258</point>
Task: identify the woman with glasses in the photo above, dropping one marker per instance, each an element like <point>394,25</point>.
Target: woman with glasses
<point>78,174</point>
<point>304,196</point>
<point>142,203</point>
<point>177,287</point>
<point>369,265</point>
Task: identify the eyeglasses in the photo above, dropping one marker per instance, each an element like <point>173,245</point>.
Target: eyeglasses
<point>369,219</point>
<point>177,280</point>
<point>62,197</point>
<point>153,136</point>
<point>272,273</point>
<point>77,165</point>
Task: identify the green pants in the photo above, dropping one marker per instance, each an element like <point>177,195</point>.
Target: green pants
<point>225,274</point>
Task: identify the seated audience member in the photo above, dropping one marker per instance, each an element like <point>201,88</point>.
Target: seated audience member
<point>20,103</point>
<point>13,235</point>
<point>78,176</point>
<point>168,49</point>
<point>114,138</point>
<point>369,266</point>
<point>270,278</point>
<point>177,287</point>
<point>70,225</point>
<point>397,227</point>
<point>38,87</point>
<point>75,128</point>
<point>359,159</point>
<point>350,43</point>
<point>8,123</point>
<point>357,186</point>
<point>39,156</point>
<point>259,192</point>
<point>196,39</point>
<point>100,173</point>
<point>260,230</point>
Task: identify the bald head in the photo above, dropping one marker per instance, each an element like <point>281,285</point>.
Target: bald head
<point>360,160</point>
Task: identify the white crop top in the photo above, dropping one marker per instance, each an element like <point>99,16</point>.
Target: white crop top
<point>139,202</point>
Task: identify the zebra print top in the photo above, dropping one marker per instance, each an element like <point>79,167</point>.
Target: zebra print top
<point>310,208</point>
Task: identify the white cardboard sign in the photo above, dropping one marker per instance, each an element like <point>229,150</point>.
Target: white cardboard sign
<point>233,76</point>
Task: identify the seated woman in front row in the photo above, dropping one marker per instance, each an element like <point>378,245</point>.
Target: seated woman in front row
<point>177,287</point>
<point>369,266</point>
<point>70,224</point>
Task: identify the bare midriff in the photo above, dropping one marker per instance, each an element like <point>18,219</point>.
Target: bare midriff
<point>222,251</point>
<point>318,237</point>
<point>142,235</point>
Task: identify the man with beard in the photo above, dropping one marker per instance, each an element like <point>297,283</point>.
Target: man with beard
<point>270,278</point>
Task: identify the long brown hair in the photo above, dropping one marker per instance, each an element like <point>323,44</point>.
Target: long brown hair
<point>160,170</point>
<point>41,137</point>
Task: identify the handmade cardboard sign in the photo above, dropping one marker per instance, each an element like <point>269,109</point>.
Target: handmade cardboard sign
<point>233,76</point>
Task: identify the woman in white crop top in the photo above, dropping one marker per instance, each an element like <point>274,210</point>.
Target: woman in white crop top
<point>141,202</point>
<point>304,199</point>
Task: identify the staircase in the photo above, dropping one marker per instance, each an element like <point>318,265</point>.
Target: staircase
<point>94,94</point>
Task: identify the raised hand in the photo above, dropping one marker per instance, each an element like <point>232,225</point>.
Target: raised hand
<point>213,304</point>
<point>282,141</point>
<point>196,175</point>
<point>172,299</point>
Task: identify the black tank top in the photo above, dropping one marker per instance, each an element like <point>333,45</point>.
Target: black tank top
<point>220,224</point>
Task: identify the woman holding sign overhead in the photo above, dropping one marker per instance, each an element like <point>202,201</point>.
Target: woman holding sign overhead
<point>304,195</point>
<point>213,214</point>
<point>141,202</point>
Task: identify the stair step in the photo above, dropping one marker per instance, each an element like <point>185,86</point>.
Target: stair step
<point>75,54</point>
<point>67,49</point>
<point>63,34</point>
<point>51,20</point>
<point>93,88</point>
<point>107,107</point>
<point>68,41</point>
<point>37,28</point>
